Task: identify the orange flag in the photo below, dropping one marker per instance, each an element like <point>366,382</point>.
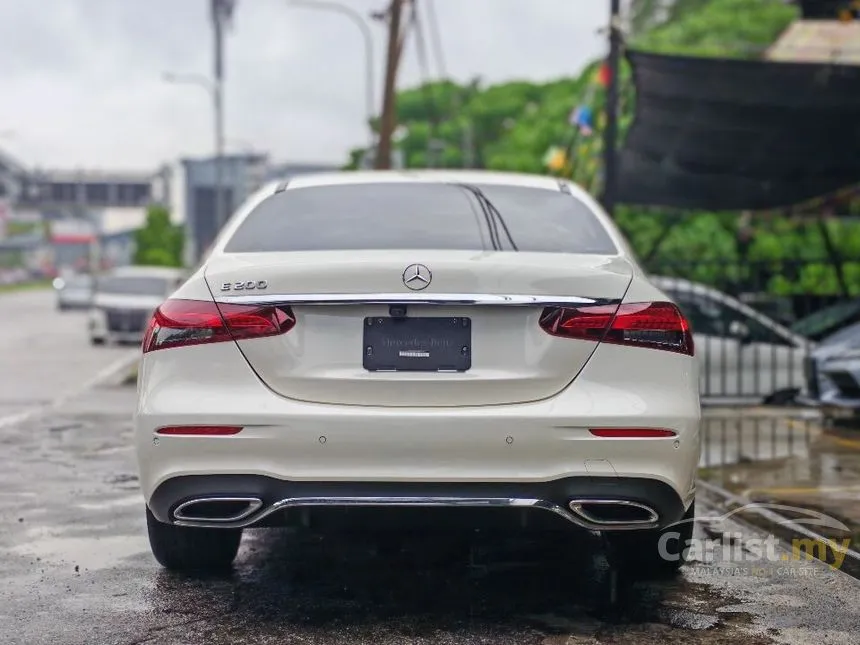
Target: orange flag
<point>603,75</point>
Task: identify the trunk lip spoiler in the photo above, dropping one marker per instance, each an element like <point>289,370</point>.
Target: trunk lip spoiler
<point>476,299</point>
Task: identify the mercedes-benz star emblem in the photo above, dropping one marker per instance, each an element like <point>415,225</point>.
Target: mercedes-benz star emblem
<point>417,277</point>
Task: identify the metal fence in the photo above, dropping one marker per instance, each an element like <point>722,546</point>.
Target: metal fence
<point>732,439</point>
<point>755,323</point>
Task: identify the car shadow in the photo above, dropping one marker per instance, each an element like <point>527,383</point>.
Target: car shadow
<point>289,582</point>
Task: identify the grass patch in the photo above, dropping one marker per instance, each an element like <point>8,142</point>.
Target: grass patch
<point>130,379</point>
<point>25,286</point>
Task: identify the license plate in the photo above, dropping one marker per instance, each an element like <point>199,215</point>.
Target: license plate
<point>417,344</point>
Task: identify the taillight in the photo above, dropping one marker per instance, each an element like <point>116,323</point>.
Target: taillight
<point>658,325</point>
<point>178,323</point>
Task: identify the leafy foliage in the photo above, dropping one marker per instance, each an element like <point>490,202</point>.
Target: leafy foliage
<point>159,242</point>
<point>733,28</point>
<point>513,125</point>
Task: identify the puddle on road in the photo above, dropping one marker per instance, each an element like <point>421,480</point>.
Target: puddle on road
<point>88,554</point>
<point>122,478</point>
<point>330,589</point>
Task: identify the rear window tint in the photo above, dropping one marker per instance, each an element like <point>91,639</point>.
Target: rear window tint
<point>418,216</point>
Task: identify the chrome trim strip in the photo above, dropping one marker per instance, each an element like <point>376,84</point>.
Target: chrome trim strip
<point>450,502</point>
<point>477,299</point>
<point>254,505</point>
<point>576,505</point>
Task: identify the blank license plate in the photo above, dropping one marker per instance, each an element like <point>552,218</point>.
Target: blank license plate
<point>417,344</point>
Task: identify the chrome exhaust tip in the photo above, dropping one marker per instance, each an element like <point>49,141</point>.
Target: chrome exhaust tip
<point>207,510</point>
<point>614,514</point>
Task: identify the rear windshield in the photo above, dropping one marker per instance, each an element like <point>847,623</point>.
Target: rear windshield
<point>419,216</point>
<point>133,286</point>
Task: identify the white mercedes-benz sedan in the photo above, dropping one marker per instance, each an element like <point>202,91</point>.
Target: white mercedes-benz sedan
<point>432,346</point>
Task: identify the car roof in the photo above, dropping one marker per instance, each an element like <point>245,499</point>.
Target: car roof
<point>344,177</point>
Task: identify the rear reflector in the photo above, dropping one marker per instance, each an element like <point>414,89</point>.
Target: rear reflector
<point>179,323</point>
<point>200,430</point>
<point>658,325</point>
<point>632,433</point>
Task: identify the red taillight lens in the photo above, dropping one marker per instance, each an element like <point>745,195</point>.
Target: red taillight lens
<point>658,325</point>
<point>209,431</point>
<point>632,433</point>
<point>178,323</point>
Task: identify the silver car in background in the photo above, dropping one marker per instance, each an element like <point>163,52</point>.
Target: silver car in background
<point>833,374</point>
<point>743,355</point>
<point>124,299</point>
<point>74,291</point>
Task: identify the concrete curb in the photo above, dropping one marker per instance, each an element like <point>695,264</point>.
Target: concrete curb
<point>108,374</point>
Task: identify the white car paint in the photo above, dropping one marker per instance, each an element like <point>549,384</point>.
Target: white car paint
<point>521,415</point>
<point>749,360</point>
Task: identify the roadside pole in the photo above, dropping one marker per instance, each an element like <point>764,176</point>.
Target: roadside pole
<point>222,11</point>
<point>610,133</point>
<point>389,98</point>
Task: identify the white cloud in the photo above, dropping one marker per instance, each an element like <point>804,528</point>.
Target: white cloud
<point>81,85</point>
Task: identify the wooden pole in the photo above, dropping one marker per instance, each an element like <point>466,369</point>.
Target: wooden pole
<point>388,122</point>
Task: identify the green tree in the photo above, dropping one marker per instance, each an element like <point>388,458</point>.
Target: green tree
<point>732,28</point>
<point>514,124</point>
<point>159,242</point>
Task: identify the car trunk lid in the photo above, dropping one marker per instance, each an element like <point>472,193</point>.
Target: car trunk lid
<point>478,340</point>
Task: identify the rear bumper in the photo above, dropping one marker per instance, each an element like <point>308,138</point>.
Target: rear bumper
<point>574,500</point>
<point>523,444</point>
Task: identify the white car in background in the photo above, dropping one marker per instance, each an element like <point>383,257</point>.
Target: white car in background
<point>433,340</point>
<point>123,301</point>
<point>743,354</point>
<point>74,291</point>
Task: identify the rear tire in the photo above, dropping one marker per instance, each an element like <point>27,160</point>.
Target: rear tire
<point>642,552</point>
<point>184,548</point>
<point>97,342</point>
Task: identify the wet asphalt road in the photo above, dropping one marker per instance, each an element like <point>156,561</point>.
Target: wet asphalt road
<point>75,568</point>
<point>45,355</point>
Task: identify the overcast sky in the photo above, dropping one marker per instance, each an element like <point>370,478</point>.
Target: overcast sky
<point>81,86</point>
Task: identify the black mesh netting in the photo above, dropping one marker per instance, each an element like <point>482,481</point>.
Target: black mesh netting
<point>736,134</point>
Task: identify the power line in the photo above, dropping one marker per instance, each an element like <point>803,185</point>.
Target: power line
<point>436,38</point>
<point>426,86</point>
<point>467,143</point>
<point>420,43</point>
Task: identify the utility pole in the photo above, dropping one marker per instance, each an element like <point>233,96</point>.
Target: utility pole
<point>222,12</point>
<point>389,97</point>
<point>610,133</point>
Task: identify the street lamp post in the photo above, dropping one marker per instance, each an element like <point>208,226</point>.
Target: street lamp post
<point>359,21</point>
<point>213,88</point>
